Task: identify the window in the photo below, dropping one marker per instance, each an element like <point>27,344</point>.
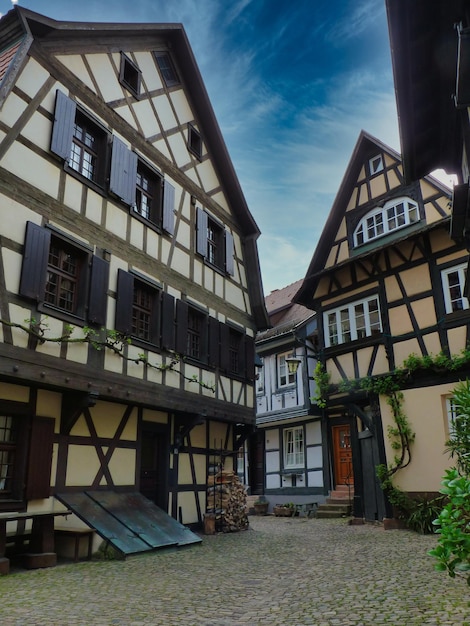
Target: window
<point>138,308</point>
<point>167,69</point>
<point>214,242</point>
<point>453,285</point>
<point>451,411</point>
<point>235,352</point>
<point>196,334</point>
<point>79,140</point>
<point>260,378</point>
<point>130,75</point>
<point>294,447</point>
<point>194,141</point>
<point>192,333</point>
<point>7,453</point>
<point>395,214</point>
<point>284,377</point>
<point>63,275</point>
<point>352,321</point>
<point>148,197</point>
<point>376,164</point>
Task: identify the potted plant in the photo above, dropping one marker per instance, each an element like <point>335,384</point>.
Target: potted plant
<point>261,506</point>
<point>284,510</point>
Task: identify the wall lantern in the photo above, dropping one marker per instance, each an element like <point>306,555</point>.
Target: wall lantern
<point>293,363</point>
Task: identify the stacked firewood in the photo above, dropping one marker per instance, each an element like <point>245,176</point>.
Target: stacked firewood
<point>226,500</point>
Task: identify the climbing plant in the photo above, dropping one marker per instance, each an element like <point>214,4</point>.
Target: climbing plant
<point>103,339</point>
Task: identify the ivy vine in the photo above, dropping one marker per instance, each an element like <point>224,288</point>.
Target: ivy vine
<point>100,340</point>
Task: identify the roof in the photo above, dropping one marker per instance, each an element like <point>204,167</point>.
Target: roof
<point>285,315</point>
<point>423,41</point>
<point>320,255</point>
<point>42,35</point>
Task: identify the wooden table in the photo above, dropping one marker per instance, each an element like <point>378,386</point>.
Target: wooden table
<point>41,550</point>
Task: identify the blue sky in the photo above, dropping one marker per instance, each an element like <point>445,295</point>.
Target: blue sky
<point>292,83</point>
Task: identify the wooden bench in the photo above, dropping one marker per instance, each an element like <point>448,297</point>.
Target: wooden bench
<point>306,509</point>
<point>77,534</point>
<point>41,551</point>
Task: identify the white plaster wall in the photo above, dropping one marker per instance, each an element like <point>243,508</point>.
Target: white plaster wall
<point>272,462</point>
<point>314,457</point>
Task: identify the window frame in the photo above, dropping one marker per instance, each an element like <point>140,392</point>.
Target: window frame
<point>289,440</point>
<point>93,283</point>
<point>260,378</point>
<point>226,245</point>
<point>184,333</point>
<point>381,220</point>
<point>195,143</point>
<point>380,166</point>
<point>461,270</point>
<point>283,371</point>
<point>346,326</point>
<point>155,216</point>
<point>127,66</point>
<point>166,67</point>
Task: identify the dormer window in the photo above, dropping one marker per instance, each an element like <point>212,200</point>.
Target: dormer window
<point>376,164</point>
<point>130,75</point>
<point>395,214</point>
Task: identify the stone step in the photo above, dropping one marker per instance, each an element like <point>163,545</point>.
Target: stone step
<point>331,511</point>
<point>343,501</point>
<point>330,515</point>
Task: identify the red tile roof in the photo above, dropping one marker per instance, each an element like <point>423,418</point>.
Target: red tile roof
<point>6,57</point>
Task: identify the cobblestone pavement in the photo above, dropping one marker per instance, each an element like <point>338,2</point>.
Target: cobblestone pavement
<point>281,571</point>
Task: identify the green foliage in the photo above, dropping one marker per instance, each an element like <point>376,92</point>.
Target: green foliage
<point>322,379</point>
<point>453,525</point>
<point>459,441</point>
<point>423,513</point>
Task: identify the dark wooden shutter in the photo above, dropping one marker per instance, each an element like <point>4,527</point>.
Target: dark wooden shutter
<point>249,358</point>
<point>201,236</point>
<point>181,327</point>
<point>36,254</point>
<point>123,176</point>
<point>38,481</point>
<point>214,342</point>
<point>168,208</point>
<point>155,319</point>
<point>98,291</point>
<point>62,130</point>
<point>241,355</point>
<point>124,302</point>
<point>168,321</point>
<point>229,264</point>
<point>224,347</point>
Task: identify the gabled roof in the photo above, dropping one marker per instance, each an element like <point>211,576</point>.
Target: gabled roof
<point>285,315</point>
<point>363,147</point>
<point>39,32</point>
<point>423,41</point>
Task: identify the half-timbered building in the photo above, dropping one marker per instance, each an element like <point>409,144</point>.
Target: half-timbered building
<point>130,290</point>
<point>386,281</point>
<point>289,466</point>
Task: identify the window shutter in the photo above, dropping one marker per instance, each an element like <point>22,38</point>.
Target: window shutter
<point>224,347</point>
<point>36,254</point>
<point>125,299</point>
<point>98,291</point>
<point>123,176</point>
<point>214,342</point>
<point>201,239</point>
<point>181,327</point>
<point>229,265</point>
<point>249,358</point>
<point>155,319</point>
<point>168,321</point>
<point>168,208</point>
<point>62,130</point>
<point>38,482</point>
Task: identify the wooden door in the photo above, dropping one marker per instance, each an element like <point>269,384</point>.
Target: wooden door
<point>342,454</point>
<point>256,465</point>
<point>154,465</point>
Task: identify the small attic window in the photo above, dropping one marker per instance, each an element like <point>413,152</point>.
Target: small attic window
<point>167,69</point>
<point>194,141</point>
<point>130,75</point>
<point>376,164</point>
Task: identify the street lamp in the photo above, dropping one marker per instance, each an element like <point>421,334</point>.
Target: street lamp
<point>293,363</point>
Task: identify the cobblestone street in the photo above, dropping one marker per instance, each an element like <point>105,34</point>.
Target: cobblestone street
<point>281,571</point>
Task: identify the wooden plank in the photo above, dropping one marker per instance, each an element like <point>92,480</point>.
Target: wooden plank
<point>127,508</point>
<point>107,526</point>
<point>143,516</point>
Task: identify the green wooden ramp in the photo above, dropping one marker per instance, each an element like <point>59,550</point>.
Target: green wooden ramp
<point>128,521</point>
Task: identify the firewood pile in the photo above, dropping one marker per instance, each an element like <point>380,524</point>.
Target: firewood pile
<point>226,500</point>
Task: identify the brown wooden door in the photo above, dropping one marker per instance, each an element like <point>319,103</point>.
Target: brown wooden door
<point>342,454</point>
<point>256,466</point>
